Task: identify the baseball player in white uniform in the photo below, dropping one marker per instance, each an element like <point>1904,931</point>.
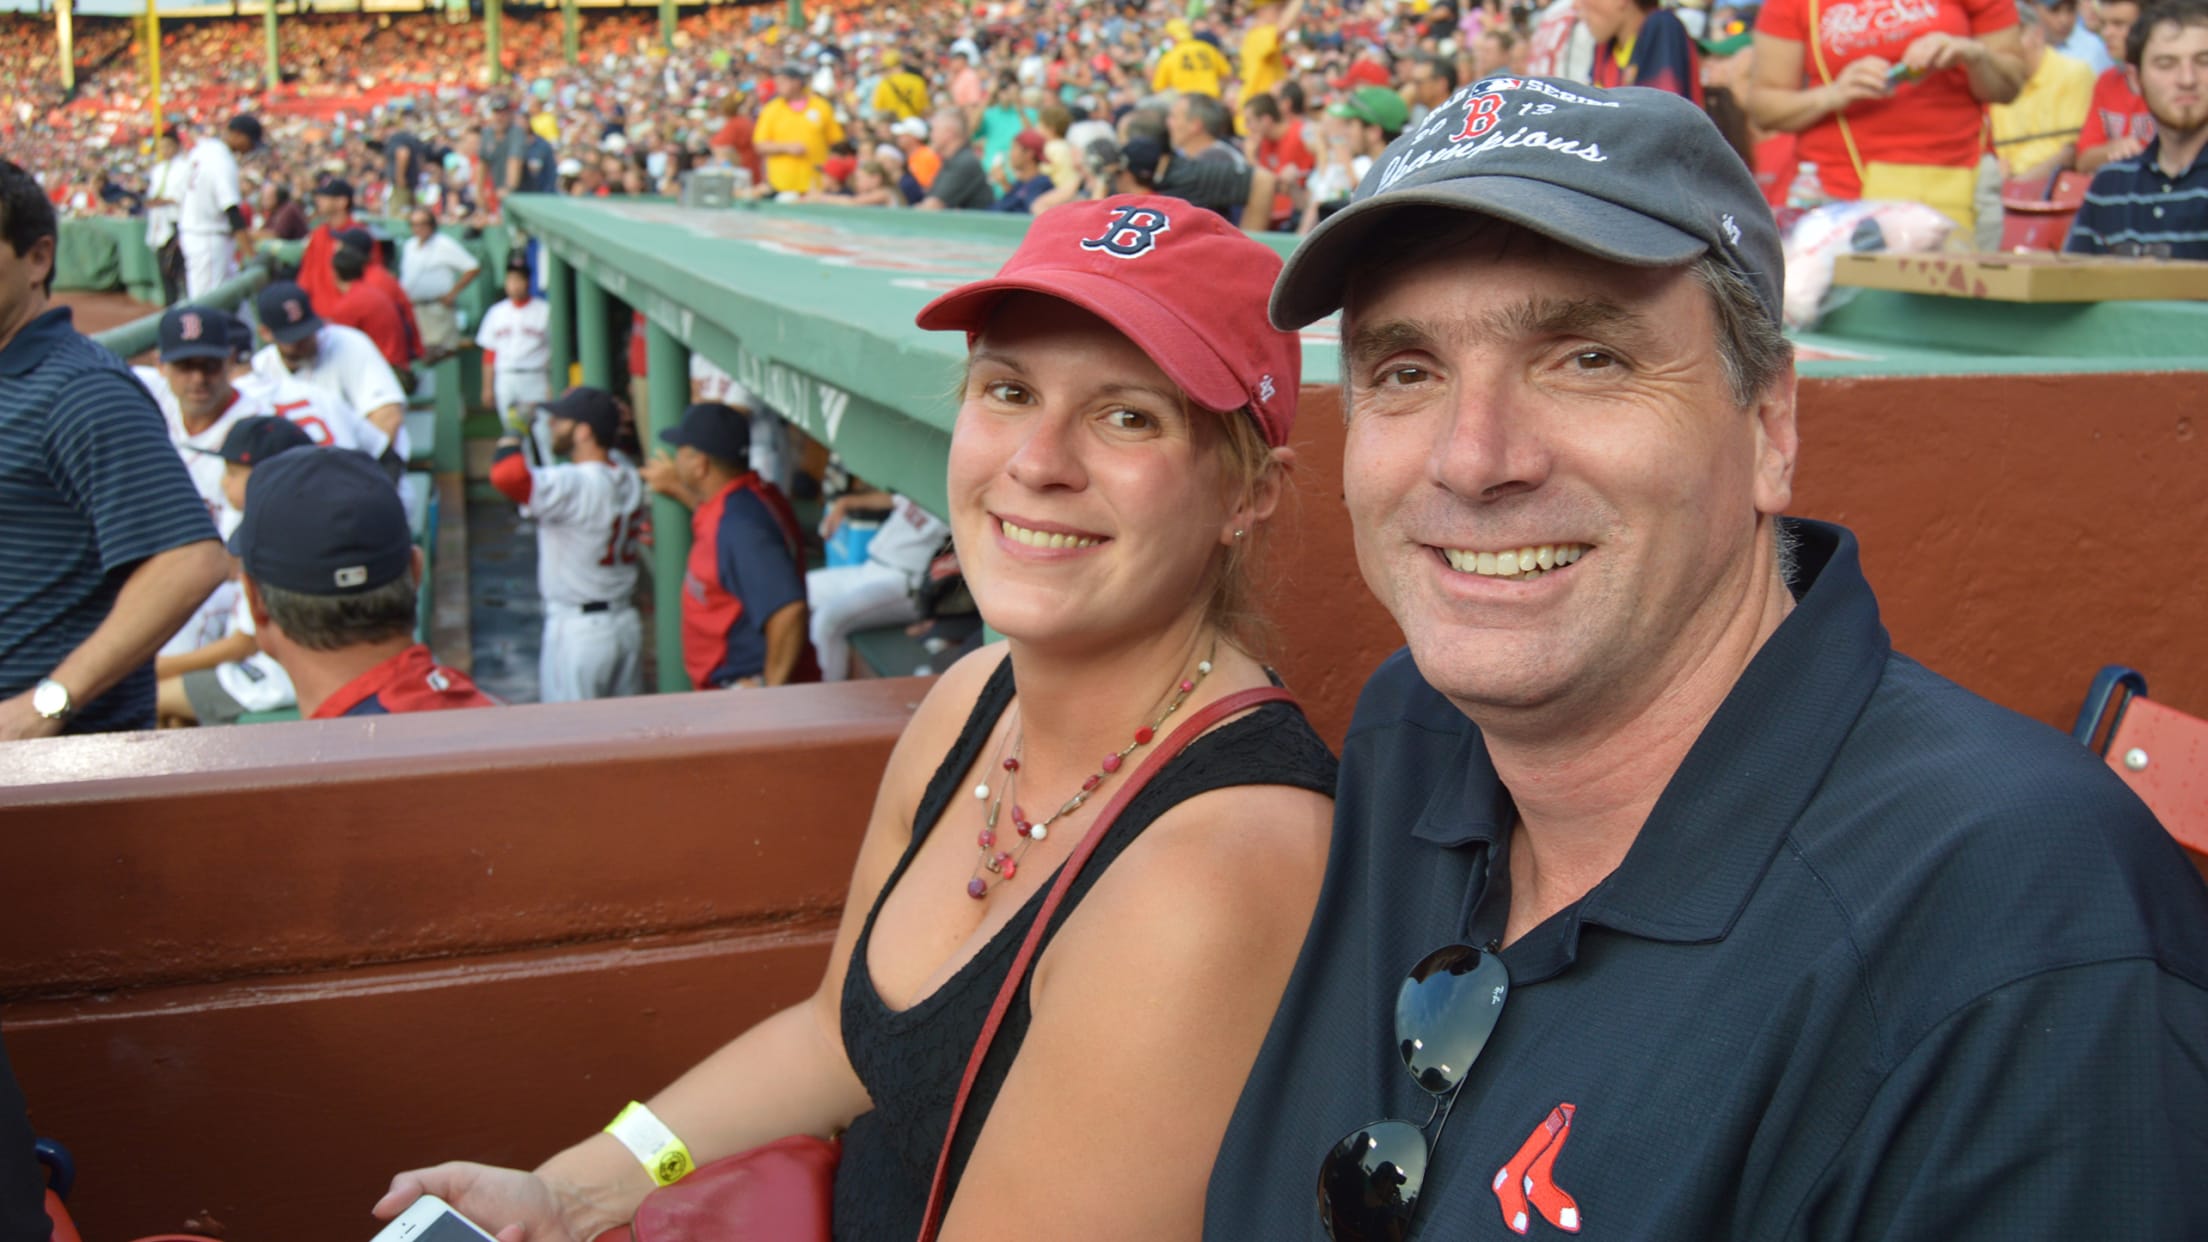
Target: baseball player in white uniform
<point>586,511</point>
<point>339,361</point>
<point>209,214</point>
<point>517,346</point>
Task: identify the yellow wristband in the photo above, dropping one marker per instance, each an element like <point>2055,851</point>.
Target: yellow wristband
<point>652,1143</point>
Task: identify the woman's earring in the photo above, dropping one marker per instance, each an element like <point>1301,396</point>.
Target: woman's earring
<point>1238,532</point>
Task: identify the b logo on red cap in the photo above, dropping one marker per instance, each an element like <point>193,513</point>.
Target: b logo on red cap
<point>1131,233</point>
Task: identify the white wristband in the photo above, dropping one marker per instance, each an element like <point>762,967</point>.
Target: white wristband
<point>652,1143</point>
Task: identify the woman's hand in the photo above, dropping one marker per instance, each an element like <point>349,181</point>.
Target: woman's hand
<point>1939,50</point>
<point>1863,79</point>
<point>516,1206</point>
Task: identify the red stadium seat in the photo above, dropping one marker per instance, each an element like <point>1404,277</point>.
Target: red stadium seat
<point>2161,752</point>
<point>2036,212</point>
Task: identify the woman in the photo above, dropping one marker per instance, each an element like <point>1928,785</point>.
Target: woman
<point>1104,508</point>
<point>1641,43</point>
<point>1892,92</point>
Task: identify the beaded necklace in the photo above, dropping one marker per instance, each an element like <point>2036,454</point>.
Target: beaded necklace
<point>1004,864</point>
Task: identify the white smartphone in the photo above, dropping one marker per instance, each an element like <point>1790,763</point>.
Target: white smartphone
<point>431,1219</point>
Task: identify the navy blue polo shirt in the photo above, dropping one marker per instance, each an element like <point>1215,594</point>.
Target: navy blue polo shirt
<point>1886,961</point>
<point>90,486</point>
<point>2133,207</point>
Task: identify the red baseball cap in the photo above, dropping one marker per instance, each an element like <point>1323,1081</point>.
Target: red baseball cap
<point>1364,73</point>
<point>1185,286</point>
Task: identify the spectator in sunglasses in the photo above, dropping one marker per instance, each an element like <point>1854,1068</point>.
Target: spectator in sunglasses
<point>1692,908</point>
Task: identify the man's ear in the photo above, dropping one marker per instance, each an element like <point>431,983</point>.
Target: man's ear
<point>1778,444</point>
<point>253,605</point>
<point>414,570</point>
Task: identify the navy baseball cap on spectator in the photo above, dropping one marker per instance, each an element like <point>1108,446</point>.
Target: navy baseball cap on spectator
<point>287,312</point>
<point>1141,156</point>
<point>719,431</point>
<point>359,239</point>
<point>254,440</point>
<point>189,332</point>
<point>247,124</point>
<point>241,338</point>
<point>1633,175</point>
<point>323,521</point>
<point>592,407</point>
<point>334,187</point>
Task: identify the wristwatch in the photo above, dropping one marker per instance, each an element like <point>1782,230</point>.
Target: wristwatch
<point>51,700</point>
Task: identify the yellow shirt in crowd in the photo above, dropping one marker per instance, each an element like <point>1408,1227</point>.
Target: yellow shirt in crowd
<point>811,122</point>
<point>2047,113</point>
<point>1263,67</point>
<point>1191,66</point>
<point>903,95</point>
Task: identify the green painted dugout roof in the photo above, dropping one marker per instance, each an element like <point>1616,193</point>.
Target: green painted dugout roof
<point>812,308</point>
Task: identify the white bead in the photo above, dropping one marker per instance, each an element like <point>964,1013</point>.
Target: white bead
<point>982,792</point>
<point>1037,833</point>
<point>1204,667</point>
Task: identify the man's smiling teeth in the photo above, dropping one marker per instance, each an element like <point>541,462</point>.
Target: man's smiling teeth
<point>1524,564</point>
<point>1045,539</point>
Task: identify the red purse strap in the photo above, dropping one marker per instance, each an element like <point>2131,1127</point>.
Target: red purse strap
<point>1189,731</point>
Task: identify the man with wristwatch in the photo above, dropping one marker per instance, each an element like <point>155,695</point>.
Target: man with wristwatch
<point>107,547</point>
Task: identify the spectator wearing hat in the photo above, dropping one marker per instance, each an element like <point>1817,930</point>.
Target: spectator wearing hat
<point>902,93</point>
<point>2035,135</point>
<point>517,347</point>
<point>107,548</point>
<point>333,216</point>
<point>2117,123</point>
<point>331,578</point>
<point>587,511</point>
<point>921,162</point>
<point>218,680</point>
<point>743,597</point>
<point>1144,166</point>
<point>1025,180</point>
<point>1357,128</point>
<point>210,212</point>
<point>794,132</point>
<point>1642,43</point>
<point>360,304</point>
<point>1695,909</point>
<point>434,270</point>
<point>2156,203</point>
<point>340,361</point>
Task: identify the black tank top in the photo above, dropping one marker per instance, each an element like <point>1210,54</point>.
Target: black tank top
<point>911,1060</point>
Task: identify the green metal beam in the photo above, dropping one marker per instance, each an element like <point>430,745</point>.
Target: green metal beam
<point>142,334</point>
<point>271,73</point>
<point>667,24</point>
<point>559,297</point>
<point>570,32</point>
<point>667,365</point>
<point>493,62</point>
<point>593,315</point>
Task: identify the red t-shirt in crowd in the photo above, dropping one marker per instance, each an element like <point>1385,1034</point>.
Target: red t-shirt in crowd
<point>369,309</point>
<point>736,136</point>
<point>1934,120</point>
<point>2116,112</point>
<point>1286,151</point>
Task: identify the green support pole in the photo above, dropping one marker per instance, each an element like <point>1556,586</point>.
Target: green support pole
<point>593,327</point>
<point>559,298</point>
<point>571,39</point>
<point>667,24</point>
<point>667,366</point>
<point>490,42</point>
<point>795,19</point>
<point>270,71</point>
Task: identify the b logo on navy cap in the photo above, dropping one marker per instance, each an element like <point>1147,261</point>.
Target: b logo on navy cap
<point>1131,233</point>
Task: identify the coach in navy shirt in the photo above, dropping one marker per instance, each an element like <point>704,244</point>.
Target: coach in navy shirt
<point>1666,900</point>
<point>106,548</point>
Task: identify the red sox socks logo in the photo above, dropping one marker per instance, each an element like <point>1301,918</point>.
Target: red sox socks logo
<point>1530,1177</point>
<point>1131,233</point>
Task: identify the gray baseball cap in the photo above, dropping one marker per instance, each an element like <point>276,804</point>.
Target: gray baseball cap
<point>1632,175</point>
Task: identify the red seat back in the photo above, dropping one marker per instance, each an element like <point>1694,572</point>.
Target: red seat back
<point>2162,753</point>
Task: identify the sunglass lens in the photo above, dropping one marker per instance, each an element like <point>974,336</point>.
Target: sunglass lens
<point>1368,1186</point>
<point>1446,1010</point>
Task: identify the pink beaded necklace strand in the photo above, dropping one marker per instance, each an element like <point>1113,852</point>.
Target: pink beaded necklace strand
<point>1005,864</point>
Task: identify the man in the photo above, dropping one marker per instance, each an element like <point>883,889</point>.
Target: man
<point>960,184</point>
<point>191,385</point>
<point>218,680</point>
<point>209,216</point>
<point>434,270</point>
<point>1189,66</point>
<point>107,548</point>
<point>2156,202</point>
<point>586,511</point>
<point>1197,127</point>
<point>406,163</point>
<point>1498,50</point>
<point>1757,930</point>
<point>504,140</point>
<point>339,361</point>
<point>331,576</point>
<point>2035,135</point>
<point>921,161</point>
<point>1264,63</point>
<point>1026,181</point>
<point>743,594</point>
<point>1360,126</point>
<point>1242,194</point>
<point>516,339</point>
<point>795,130</point>
<point>1428,80</point>
<point>1280,151</point>
<point>378,276</point>
<point>902,94</point>
<point>359,304</point>
<point>164,190</point>
<point>281,215</point>
<point>333,216</point>
<point>2073,37</point>
<point>328,421</point>
<point>2117,123</point>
